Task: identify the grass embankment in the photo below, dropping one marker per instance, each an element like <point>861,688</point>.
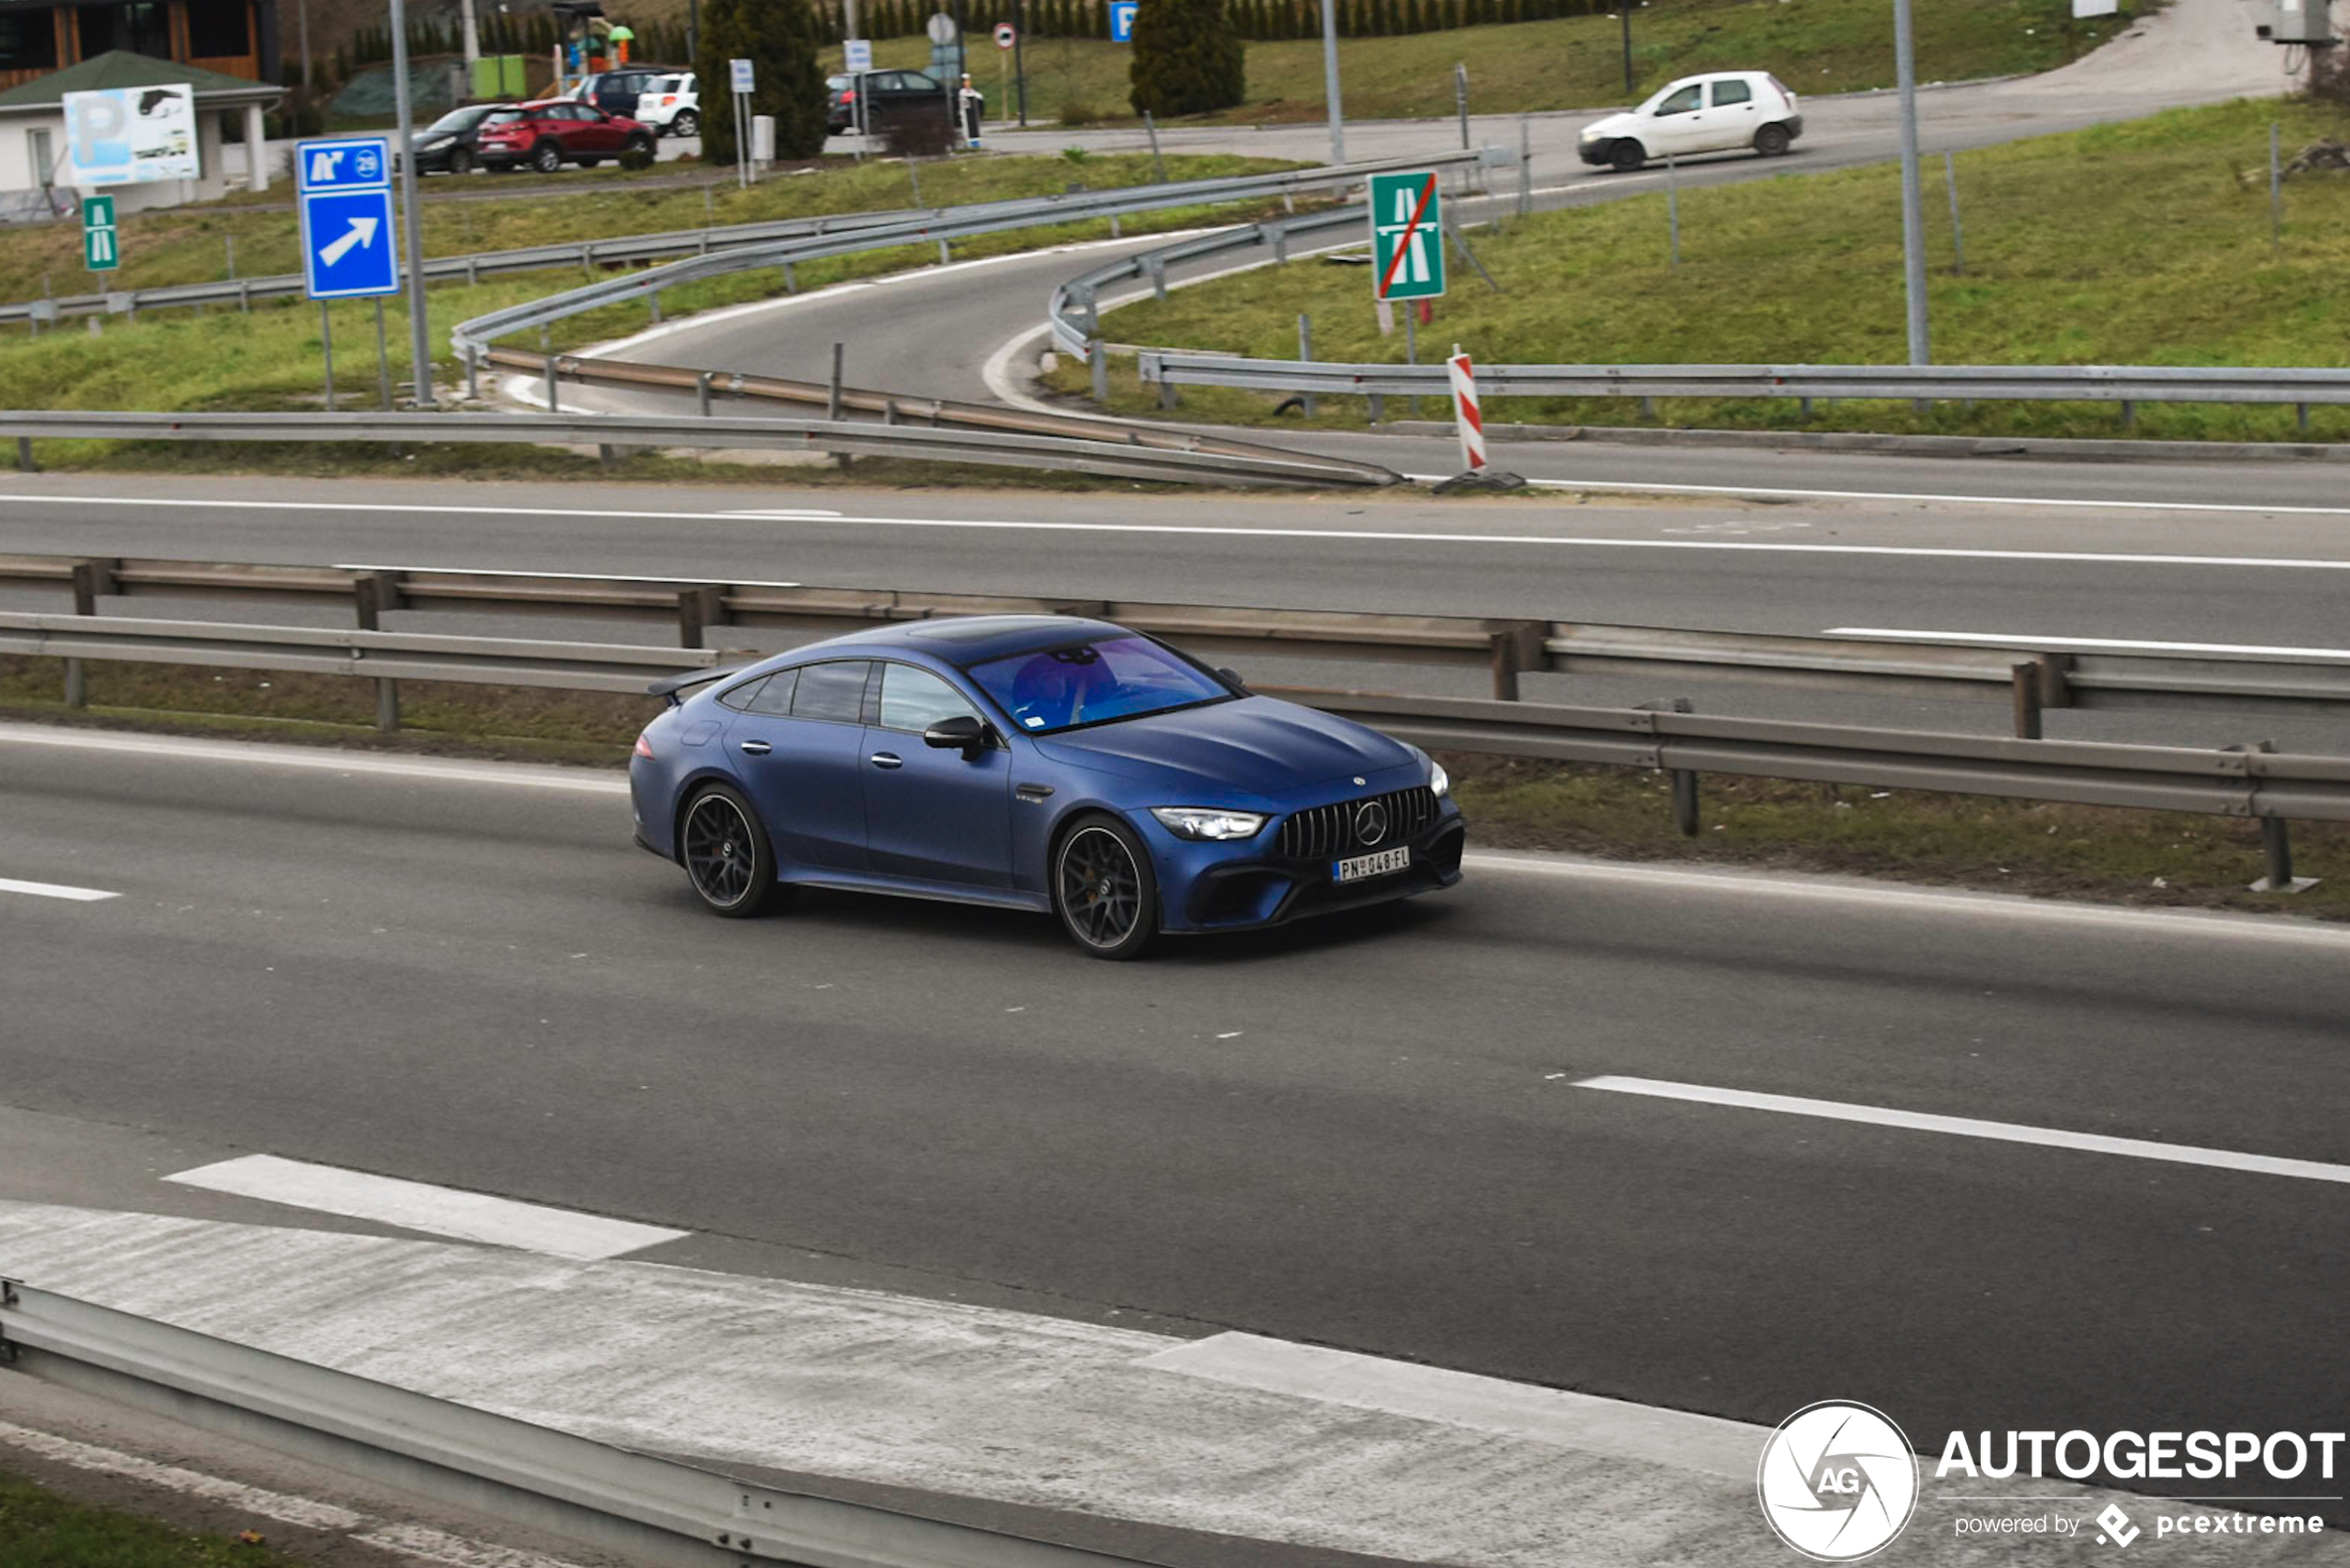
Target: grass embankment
<point>41,1529</point>
<point>1815,46</point>
<point>183,360</point>
<point>2141,244</point>
<point>2016,846</point>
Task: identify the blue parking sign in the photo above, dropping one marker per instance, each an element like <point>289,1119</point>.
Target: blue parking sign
<point>1121,20</point>
<point>350,242</point>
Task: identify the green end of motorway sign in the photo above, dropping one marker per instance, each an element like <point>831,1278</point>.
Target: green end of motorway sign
<point>100,250</point>
<point>1407,237</point>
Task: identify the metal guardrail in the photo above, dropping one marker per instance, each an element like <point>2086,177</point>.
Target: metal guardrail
<point>1122,450</point>
<point>647,1509</point>
<point>2032,679</point>
<point>472,339</point>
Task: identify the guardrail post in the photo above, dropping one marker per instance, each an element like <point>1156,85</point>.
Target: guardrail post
<point>699,607</point>
<point>791,280</point>
<point>551,385</point>
<point>1098,356</point>
<point>2301,416</point>
<point>654,298</point>
<point>1685,801</point>
<point>77,686</point>
<point>1516,647</point>
<point>372,593</point>
<point>1377,408</point>
<point>24,455</point>
<point>1158,266</point>
<point>473,374</point>
<point>2129,414</point>
<point>942,251</point>
<point>701,393</point>
<point>1116,232</point>
<point>90,579</point>
<point>1280,244</point>
<point>2024,683</point>
<point>1305,356</point>
<point>386,704</point>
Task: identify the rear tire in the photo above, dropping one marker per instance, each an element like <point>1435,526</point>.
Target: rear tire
<point>1628,155</point>
<point>728,859</point>
<point>548,159</point>
<point>1104,889</point>
<point>688,123</point>
<point>1772,141</point>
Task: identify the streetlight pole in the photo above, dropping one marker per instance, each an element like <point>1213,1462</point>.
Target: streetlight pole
<point>1330,81</point>
<point>411,225</point>
<point>1913,198</point>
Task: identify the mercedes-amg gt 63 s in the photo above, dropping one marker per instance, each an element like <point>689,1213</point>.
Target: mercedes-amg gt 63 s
<point>1035,762</point>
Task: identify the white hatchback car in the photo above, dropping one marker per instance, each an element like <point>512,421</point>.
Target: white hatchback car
<point>1719,112</point>
<point>670,106</point>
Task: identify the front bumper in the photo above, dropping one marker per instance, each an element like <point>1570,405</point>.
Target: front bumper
<point>1260,889</point>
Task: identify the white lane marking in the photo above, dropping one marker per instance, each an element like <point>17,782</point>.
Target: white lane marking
<point>2024,640</point>
<point>55,890</point>
<point>1645,485</point>
<point>248,1500</point>
<point>1613,1428</point>
<point>416,1541</point>
<point>417,1205</point>
<point>2003,907</point>
<point>1969,1127</point>
<point>323,759</point>
<point>1350,535</point>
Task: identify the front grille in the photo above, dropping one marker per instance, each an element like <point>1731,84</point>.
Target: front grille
<point>1326,832</point>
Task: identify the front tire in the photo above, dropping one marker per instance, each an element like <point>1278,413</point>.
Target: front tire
<point>1772,141</point>
<point>459,161</point>
<point>1104,889</point>
<point>1628,155</point>
<point>728,859</point>
<point>547,159</point>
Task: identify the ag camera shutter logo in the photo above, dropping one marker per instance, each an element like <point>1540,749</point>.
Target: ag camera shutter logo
<point>1837,1481</point>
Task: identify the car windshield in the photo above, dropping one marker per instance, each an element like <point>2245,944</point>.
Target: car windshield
<point>456,121</point>
<point>1063,688</point>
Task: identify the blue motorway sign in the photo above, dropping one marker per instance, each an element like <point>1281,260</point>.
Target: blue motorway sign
<point>350,246</point>
<point>1122,21</point>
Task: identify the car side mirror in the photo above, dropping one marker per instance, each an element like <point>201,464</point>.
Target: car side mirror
<point>966,733</point>
<point>1231,676</point>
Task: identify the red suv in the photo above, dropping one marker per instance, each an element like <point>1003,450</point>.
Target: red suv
<point>552,133</point>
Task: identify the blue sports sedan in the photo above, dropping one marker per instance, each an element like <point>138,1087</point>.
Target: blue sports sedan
<point>1035,762</point>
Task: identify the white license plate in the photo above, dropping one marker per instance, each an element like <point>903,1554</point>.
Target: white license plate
<point>1377,865</point>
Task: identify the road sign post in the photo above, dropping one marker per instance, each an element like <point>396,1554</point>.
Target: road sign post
<point>350,242</point>
<point>1408,246</point>
<point>101,243</point>
<point>742,76</point>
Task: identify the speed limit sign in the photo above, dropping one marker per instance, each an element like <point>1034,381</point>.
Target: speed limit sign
<point>1004,35</point>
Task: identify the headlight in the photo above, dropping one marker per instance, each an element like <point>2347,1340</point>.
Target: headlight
<point>1591,133</point>
<point>1439,781</point>
<point>1200,821</point>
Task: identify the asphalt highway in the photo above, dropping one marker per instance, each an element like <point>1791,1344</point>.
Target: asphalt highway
<point>2162,577</point>
<point>1369,1132</point>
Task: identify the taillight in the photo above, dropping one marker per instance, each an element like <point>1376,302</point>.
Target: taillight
<point>848,95</point>
<point>644,749</point>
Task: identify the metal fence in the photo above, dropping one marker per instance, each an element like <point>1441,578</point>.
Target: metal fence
<point>2029,679</point>
<point>643,1508</point>
<point>1122,450</point>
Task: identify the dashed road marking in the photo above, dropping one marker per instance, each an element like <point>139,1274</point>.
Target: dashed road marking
<point>55,890</point>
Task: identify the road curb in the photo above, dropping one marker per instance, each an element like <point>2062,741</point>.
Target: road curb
<point>1899,445</point>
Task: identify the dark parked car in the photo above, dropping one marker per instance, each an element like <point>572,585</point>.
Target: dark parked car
<point>448,144</point>
<point>616,91</point>
<point>1038,762</point>
<point>886,94</point>
<point>552,133</point>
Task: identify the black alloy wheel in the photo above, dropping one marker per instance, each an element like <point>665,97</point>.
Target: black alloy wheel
<point>688,123</point>
<point>726,854</point>
<point>461,160</point>
<point>1772,141</point>
<point>640,144</point>
<point>1104,889</point>
<point>1628,155</point>
<point>548,159</point>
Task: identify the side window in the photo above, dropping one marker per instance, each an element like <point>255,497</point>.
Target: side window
<point>834,691</point>
<point>1681,103</point>
<point>742,697</point>
<point>915,700</point>
<point>1728,93</point>
<point>775,698</point>
<point>915,82</point>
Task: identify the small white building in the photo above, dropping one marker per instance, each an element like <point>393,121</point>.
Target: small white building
<point>32,135</point>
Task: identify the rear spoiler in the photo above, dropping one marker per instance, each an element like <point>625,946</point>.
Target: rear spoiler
<point>670,686</point>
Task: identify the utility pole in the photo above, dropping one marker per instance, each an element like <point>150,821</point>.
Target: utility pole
<point>1913,198</point>
<point>1624,8</point>
<point>1329,80</point>
<point>411,225</point>
<point>472,43</point>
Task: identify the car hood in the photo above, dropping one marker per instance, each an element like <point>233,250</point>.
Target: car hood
<point>1620,124</point>
<point>1259,745</point>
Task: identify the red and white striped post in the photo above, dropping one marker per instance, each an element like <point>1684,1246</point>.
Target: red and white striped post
<point>1466,417</point>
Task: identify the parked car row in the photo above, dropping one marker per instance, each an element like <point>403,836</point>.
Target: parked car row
<point>612,114</point>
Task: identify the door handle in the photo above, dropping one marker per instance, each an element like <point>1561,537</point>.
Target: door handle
<point>886,760</point>
<point>757,747</point>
